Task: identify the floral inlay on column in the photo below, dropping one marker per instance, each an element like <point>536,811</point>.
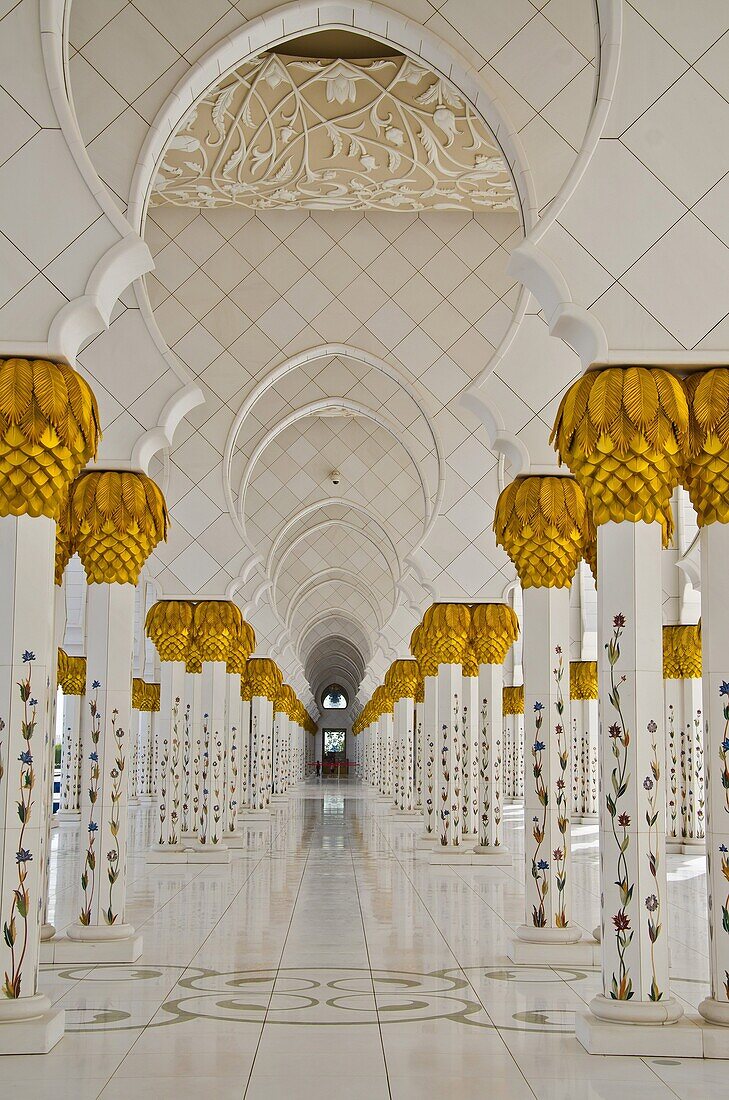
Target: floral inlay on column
<point>88,875</point>
<point>456,776</point>
<point>255,766</point>
<point>117,786</point>
<point>485,808</point>
<point>465,769</point>
<point>429,780</point>
<point>186,749</point>
<point>217,774</point>
<point>622,984</point>
<point>233,779</point>
<point>560,854</point>
<point>724,746</point>
<point>20,907</point>
<point>653,901</point>
<point>699,772</point>
<point>204,770</point>
<point>164,759</point>
<point>672,773</point>
<point>540,866</point>
<point>445,788</point>
<point>175,773</point>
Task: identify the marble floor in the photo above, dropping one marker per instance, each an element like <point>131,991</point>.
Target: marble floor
<point>329,961</point>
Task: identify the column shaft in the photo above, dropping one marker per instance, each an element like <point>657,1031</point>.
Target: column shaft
<point>470,718</point>
<point>404,719</point>
<point>172,692</point>
<point>27,663</point>
<point>715,655</point>
<point>491,771</point>
<point>110,641</point>
<point>632,803</point>
<point>71,756</point>
<point>547,784</point>
<point>212,769</point>
<point>449,756</point>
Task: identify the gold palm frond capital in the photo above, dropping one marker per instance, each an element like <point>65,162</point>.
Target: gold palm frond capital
<point>541,522</point>
<point>49,430</point>
<point>117,519</point>
<point>623,432</point>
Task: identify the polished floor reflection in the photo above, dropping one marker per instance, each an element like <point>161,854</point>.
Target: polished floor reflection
<point>328,960</point>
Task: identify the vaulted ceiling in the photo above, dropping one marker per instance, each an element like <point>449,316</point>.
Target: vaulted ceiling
<point>331,224</point>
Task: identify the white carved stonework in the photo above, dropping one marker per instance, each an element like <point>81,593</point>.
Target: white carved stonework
<point>285,132</point>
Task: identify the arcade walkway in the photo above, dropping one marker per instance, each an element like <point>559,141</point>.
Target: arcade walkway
<point>327,961</point>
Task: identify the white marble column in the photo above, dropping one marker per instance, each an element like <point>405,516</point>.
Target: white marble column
<point>388,748</point>
<point>210,843</point>
<point>429,836</point>
<point>548,932</point>
<point>234,738</point>
<point>715,652</point>
<point>398,764</point>
<point>379,757</point>
<point>169,844</point>
<point>419,763</point>
<point>261,730</point>
<point>280,735</point>
<point>69,811</point>
<point>101,918</point>
<point>194,719</point>
<point>136,735</point>
<point>470,721</point>
<point>146,741</point>
<point>513,708</point>
<point>449,775</point>
<point>244,798</point>
<point>685,821</point>
<point>28,654</point>
<point>490,847</point>
<point>187,749</point>
<point>634,948</point>
<point>584,727</point>
<point>404,723</point>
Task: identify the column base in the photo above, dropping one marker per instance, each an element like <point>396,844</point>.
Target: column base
<point>237,842</point>
<point>256,814</point>
<point>64,818</point>
<point>674,847</point>
<point>693,848</point>
<point>586,819</point>
<point>208,855</point>
<point>715,1012</point>
<point>48,931</point>
<point>93,948</point>
<point>146,799</point>
<point>484,856</point>
<point>443,855</point>
<point>553,947</point>
<point>279,798</point>
<point>426,842</point>
<point>671,1036</point>
<point>133,800</point>
<point>30,1034</point>
<point>406,814</point>
<point>166,854</point>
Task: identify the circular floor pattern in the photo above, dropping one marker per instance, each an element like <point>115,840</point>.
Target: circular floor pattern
<point>313,996</point>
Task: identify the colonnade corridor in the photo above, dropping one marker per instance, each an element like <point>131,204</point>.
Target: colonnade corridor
<point>329,960</point>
